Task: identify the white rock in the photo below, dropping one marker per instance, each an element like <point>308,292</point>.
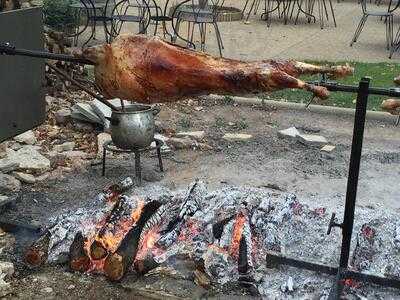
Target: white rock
<point>49,99</point>
<point>328,148</point>
<point>102,138</point>
<point>8,165</point>
<point>5,288</point>
<point>42,177</point>
<point>312,139</point>
<point>237,137</point>
<point>196,135</point>
<point>291,132</point>
<point>3,200</point>
<point>71,287</point>
<point>7,268</point>
<point>24,177</point>
<point>27,137</point>
<point>29,158</point>
<point>62,116</point>
<point>75,154</point>
<point>47,290</point>
<point>290,284</point>
<point>68,146</point>
<point>9,184</point>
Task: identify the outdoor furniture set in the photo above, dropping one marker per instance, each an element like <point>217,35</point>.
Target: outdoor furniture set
<point>140,14</point>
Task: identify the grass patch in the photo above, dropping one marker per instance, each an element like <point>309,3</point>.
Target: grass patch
<point>382,75</point>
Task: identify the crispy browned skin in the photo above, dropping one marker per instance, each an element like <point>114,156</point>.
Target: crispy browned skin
<point>149,70</point>
<point>392,106</point>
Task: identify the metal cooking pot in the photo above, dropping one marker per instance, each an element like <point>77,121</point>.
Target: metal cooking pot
<point>133,128</point>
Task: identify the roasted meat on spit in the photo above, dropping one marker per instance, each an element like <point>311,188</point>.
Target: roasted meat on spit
<point>148,70</point>
<point>392,106</point>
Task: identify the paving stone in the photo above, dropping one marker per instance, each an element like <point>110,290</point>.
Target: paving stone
<point>196,135</point>
<point>328,148</point>
<point>291,132</point>
<point>237,137</point>
<point>312,139</point>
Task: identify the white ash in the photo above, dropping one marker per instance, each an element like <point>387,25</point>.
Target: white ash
<point>276,222</point>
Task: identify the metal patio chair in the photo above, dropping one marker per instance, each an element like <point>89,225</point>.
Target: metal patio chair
<point>200,13</point>
<point>134,12</point>
<point>322,11</point>
<point>387,15</point>
<point>87,13</point>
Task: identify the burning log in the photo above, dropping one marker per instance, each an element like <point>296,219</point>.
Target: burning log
<point>112,193</point>
<point>38,252</point>
<point>78,259</point>
<point>145,264</point>
<point>117,263</point>
<point>116,225</point>
<point>149,70</point>
<point>243,264</point>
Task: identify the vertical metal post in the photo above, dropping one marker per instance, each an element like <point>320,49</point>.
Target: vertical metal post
<point>138,167</point>
<point>352,183</point>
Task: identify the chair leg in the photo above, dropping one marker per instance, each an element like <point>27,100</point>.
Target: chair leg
<point>359,29</point>
<point>219,40</point>
<point>333,13</point>
<point>389,32</point>
<point>219,34</point>
<point>395,43</point>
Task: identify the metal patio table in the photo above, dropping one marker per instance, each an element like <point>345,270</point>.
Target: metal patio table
<point>91,9</point>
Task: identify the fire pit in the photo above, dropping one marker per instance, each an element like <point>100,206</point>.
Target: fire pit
<point>225,233</point>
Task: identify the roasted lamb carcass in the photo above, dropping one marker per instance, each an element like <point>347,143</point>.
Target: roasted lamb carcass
<point>148,70</point>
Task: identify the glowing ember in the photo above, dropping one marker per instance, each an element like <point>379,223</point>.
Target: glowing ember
<point>237,234</point>
<point>189,231</point>
<point>148,241</point>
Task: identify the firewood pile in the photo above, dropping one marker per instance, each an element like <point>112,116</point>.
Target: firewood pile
<point>58,43</point>
<point>224,233</point>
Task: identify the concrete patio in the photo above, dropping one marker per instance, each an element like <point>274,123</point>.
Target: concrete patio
<point>305,40</point>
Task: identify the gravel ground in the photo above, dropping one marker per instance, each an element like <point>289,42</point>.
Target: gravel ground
<point>317,178</point>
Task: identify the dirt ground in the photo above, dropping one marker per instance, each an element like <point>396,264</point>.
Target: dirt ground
<point>316,177</point>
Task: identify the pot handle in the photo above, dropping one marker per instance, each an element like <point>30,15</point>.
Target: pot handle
<point>156,111</point>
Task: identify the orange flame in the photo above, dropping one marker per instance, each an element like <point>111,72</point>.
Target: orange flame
<point>148,242</point>
<point>111,240</point>
<point>138,211</point>
<point>237,234</point>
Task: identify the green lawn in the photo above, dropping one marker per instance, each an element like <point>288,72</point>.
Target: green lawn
<point>382,75</point>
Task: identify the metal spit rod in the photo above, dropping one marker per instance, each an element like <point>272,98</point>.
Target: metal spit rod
<point>8,49</point>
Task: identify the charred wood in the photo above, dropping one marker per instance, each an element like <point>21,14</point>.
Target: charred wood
<point>117,263</point>
<point>38,252</point>
<point>78,259</point>
<point>145,264</point>
<point>120,214</point>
